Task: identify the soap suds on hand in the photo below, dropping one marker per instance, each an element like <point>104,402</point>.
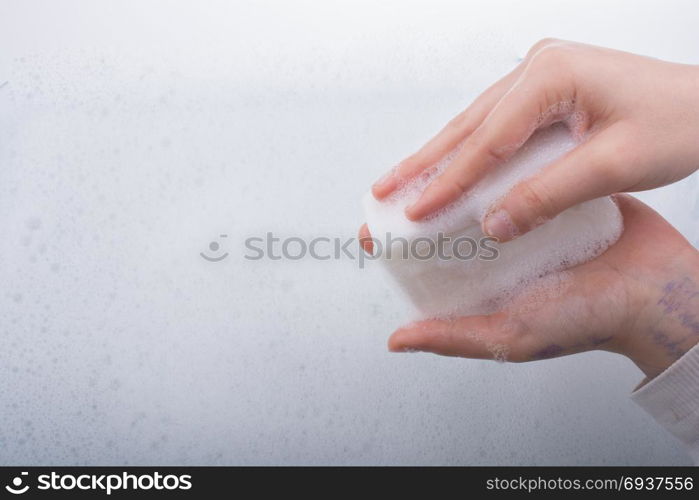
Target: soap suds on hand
<point>449,287</point>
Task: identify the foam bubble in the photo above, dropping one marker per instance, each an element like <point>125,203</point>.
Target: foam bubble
<point>443,288</point>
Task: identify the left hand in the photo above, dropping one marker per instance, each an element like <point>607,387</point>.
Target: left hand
<point>640,298</point>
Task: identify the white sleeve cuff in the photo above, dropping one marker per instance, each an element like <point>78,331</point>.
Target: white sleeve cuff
<point>672,399</point>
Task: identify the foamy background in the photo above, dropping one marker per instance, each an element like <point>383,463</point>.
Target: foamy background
<point>133,133</point>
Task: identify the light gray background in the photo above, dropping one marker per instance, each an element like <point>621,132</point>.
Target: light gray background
<point>134,133</point>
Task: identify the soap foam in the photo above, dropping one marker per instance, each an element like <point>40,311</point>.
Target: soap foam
<point>448,287</point>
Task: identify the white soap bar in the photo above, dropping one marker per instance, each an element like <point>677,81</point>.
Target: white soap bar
<point>448,287</point>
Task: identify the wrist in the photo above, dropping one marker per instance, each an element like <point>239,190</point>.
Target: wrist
<point>668,323</point>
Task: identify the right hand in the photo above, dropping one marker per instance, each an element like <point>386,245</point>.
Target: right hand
<point>639,118</point>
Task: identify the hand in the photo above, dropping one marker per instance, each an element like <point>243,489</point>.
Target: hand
<point>640,298</point>
<point>637,118</point>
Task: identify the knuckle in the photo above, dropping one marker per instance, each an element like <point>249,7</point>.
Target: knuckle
<point>551,57</point>
<point>537,199</point>
<point>544,42</point>
<point>493,154</point>
<point>453,183</point>
<point>462,123</point>
<point>547,55</point>
<point>483,148</point>
<point>457,121</point>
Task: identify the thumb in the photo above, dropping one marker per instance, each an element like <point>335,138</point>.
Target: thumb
<point>480,337</point>
<point>591,170</point>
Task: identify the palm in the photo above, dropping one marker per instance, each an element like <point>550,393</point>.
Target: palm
<point>596,305</point>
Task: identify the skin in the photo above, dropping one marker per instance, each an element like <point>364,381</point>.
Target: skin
<point>640,298</point>
<point>637,122</point>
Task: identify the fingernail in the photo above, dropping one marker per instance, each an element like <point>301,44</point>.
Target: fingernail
<point>499,225</point>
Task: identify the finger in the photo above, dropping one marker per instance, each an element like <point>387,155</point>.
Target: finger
<point>587,172</point>
<point>447,139</point>
<point>480,337</point>
<point>534,335</point>
<point>508,126</point>
<point>457,129</point>
<point>365,239</point>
